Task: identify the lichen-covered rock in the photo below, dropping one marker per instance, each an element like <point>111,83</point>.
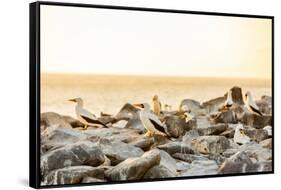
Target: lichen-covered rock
<point>73,175</point>
<point>118,151</point>
<point>134,168</point>
<point>175,125</point>
<point>210,144</point>
<point>213,129</point>
<point>255,120</point>
<point>80,153</point>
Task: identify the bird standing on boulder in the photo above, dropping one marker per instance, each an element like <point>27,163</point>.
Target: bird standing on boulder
<point>251,105</point>
<point>84,116</point>
<point>156,105</point>
<point>150,121</point>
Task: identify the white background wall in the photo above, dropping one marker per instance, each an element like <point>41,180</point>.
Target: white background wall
<point>14,93</point>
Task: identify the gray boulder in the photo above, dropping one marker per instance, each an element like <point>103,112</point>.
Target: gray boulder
<point>134,168</point>
<point>127,112</point>
<point>225,117</point>
<point>237,96</point>
<point>73,175</point>
<point>143,143</point>
<point>189,157</point>
<point>193,105</point>
<point>267,143</point>
<point>54,137</point>
<point>80,153</point>
<point>48,119</point>
<point>256,151</point>
<point>112,134</point>
<point>265,105</point>
<point>201,168</point>
<point>159,171</point>
<point>175,147</point>
<point>175,125</point>
<point>255,120</point>
<point>213,129</point>
<point>214,105</point>
<point>118,151</point>
<point>210,144</point>
<point>240,162</point>
<point>73,122</point>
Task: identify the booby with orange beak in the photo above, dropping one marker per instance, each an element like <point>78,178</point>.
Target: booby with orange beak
<point>251,105</point>
<point>150,121</point>
<point>84,116</point>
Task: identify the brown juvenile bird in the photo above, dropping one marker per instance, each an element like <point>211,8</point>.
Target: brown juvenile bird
<point>156,105</point>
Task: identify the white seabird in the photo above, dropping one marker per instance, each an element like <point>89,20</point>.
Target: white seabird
<point>156,105</point>
<point>251,105</point>
<point>84,116</point>
<point>239,136</point>
<point>150,121</point>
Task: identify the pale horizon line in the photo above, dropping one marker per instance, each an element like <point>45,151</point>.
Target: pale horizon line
<point>151,75</point>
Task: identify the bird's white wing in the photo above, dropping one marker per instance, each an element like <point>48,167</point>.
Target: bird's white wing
<point>253,104</point>
<point>86,113</point>
<point>154,118</point>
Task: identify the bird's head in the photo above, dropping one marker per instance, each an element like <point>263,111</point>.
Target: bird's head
<point>142,106</point>
<point>155,97</point>
<point>248,95</point>
<point>76,100</point>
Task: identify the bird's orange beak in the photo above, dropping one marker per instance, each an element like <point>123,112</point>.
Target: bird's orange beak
<point>72,100</point>
<point>138,105</point>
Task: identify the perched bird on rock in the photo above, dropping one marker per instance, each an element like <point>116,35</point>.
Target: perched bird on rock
<point>251,105</point>
<point>228,102</point>
<point>156,105</point>
<point>84,116</point>
<point>150,121</point>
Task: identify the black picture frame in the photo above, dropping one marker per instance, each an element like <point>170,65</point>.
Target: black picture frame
<point>34,89</point>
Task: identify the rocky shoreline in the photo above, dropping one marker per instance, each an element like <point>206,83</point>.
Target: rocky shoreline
<point>213,142</point>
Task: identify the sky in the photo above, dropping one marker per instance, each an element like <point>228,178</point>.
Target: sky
<point>122,42</point>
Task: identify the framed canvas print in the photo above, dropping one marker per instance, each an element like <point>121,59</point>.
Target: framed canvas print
<point>127,94</point>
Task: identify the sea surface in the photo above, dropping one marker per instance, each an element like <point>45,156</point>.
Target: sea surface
<point>108,93</point>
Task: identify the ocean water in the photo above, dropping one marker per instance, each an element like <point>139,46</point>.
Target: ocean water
<point>108,93</point>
